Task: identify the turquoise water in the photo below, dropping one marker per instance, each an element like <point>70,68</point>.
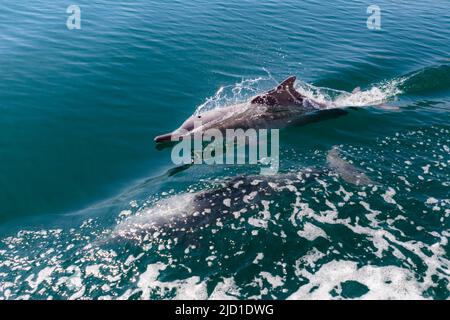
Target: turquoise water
<point>80,176</point>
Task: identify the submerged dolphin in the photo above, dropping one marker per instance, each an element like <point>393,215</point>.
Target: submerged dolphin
<point>346,170</point>
<point>188,212</point>
<point>277,108</point>
<point>184,214</point>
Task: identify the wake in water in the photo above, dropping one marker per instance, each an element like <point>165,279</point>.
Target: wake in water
<point>428,80</point>
<point>241,92</point>
<point>375,95</point>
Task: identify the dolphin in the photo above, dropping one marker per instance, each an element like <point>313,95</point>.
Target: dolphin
<point>277,108</point>
<point>184,213</point>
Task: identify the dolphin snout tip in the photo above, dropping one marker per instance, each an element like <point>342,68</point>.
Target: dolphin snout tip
<point>163,138</point>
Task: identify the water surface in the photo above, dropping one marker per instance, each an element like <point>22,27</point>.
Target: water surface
<point>79,110</point>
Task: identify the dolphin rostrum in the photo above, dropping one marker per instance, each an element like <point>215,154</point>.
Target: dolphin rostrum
<point>277,108</point>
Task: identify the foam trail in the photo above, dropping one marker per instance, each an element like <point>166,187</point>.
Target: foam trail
<point>242,91</point>
<point>377,94</point>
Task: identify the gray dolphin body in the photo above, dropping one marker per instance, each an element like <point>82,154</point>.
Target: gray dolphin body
<point>276,108</point>
<point>184,214</point>
<point>187,213</point>
<point>346,170</point>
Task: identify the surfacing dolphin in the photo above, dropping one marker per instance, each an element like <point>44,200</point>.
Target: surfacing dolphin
<point>277,108</point>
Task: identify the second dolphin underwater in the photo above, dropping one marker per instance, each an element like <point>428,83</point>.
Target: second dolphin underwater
<point>183,214</point>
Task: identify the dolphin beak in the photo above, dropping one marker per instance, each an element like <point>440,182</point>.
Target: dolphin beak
<point>163,138</point>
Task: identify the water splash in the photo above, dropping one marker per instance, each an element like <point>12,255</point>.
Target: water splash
<point>375,95</point>
<point>242,91</point>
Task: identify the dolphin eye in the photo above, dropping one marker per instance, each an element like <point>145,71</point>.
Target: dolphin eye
<point>199,117</point>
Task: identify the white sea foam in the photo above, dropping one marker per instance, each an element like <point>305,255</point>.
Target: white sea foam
<point>382,282</point>
<point>405,262</point>
<point>225,290</point>
<point>242,91</point>
<point>311,232</point>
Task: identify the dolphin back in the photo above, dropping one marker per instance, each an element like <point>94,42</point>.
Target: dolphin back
<point>283,95</point>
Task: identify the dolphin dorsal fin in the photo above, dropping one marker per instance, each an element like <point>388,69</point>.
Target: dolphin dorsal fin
<point>283,94</point>
<point>288,84</point>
